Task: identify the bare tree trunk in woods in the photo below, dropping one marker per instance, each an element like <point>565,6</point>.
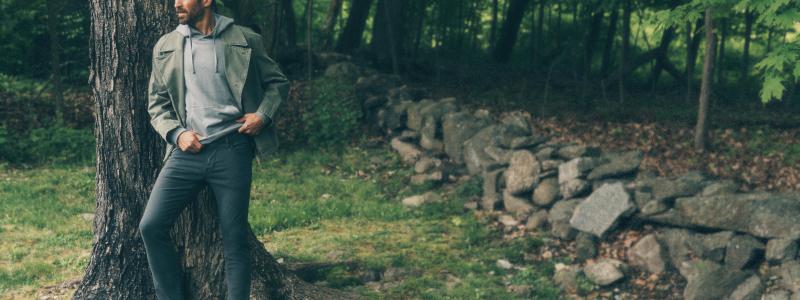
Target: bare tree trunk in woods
<point>129,155</point>
<point>309,30</point>
<point>661,58</point>
<point>508,34</point>
<point>720,64</point>
<point>350,37</point>
<point>290,22</point>
<point>330,22</point>
<point>53,13</point>
<point>244,12</point>
<point>610,34</point>
<point>539,36</point>
<point>749,18</point>
<point>590,40</point>
<point>623,51</point>
<point>493,29</point>
<point>701,130</point>
<point>387,31</point>
<point>693,46</point>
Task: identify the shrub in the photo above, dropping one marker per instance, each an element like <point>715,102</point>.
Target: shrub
<point>333,113</point>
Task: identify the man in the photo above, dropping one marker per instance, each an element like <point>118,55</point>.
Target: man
<point>213,93</point>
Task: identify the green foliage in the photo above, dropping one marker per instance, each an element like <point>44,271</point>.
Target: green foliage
<point>49,145</point>
<point>333,113</point>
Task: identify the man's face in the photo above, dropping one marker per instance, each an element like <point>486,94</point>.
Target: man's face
<point>189,11</point>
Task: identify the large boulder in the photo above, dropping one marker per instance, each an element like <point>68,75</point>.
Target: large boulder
<point>761,214</point>
<point>602,209</point>
<point>546,192</point>
<point>491,196</point>
<point>457,127</point>
<point>710,280</point>
<point>605,271</point>
<point>522,173</point>
<point>648,254</point>
<point>616,164</point>
<point>559,216</point>
<point>343,70</point>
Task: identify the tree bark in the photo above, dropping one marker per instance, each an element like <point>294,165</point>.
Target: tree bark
<point>623,51</point>
<point>508,34</point>
<point>350,38</point>
<point>693,45</point>
<point>330,22</point>
<point>749,18</point>
<point>290,22</point>
<point>607,49</point>
<point>493,28</point>
<point>387,33</point>
<point>129,155</point>
<point>701,129</point>
<point>720,64</point>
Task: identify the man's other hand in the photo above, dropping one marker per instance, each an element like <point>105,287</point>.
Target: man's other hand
<point>189,141</point>
<point>252,124</point>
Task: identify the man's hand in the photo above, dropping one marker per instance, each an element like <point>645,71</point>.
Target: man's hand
<point>189,141</point>
<point>252,124</point>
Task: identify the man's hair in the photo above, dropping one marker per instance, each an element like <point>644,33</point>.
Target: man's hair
<point>214,5</point>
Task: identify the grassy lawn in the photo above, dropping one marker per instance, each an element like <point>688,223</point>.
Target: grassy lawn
<point>308,206</point>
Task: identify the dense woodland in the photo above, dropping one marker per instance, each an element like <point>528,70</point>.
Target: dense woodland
<point>618,59</point>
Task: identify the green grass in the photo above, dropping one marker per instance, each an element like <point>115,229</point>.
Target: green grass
<point>307,206</point>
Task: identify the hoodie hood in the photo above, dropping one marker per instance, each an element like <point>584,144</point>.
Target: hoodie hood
<point>220,24</point>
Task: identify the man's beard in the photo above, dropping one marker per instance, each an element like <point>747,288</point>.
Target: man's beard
<point>190,17</point>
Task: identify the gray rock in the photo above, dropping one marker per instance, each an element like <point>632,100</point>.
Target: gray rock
<point>504,264</point>
<point>670,188</point>
<point>681,246</point>
<point>345,70</point>
<point>575,168</point>
<point>789,273</point>
<point>605,272</point>
<point>750,289</point>
<point>536,220</point>
<point>602,210</point>
<point>474,155</point>
<point>526,142</point>
<point>408,152</point>
<point>779,250</point>
<point>567,277</point>
<point>574,188</point>
<point>426,163</point>
<point>585,246</point>
<point>546,192</point>
<point>522,173</point>
<point>545,153</point>
<point>457,127</point>
<point>720,187</point>
<point>429,135</point>
<point>617,164</point>
<point>743,252</point>
<point>418,200</point>
<point>434,177</point>
<point>559,216</point>
<point>715,245</point>
<point>498,154</point>
<point>761,214</point>
<point>508,220</point>
<point>516,204</point>
<point>491,196</point>
<point>575,151</point>
<point>648,254</point>
<point>414,118</point>
<point>517,119</point>
<point>393,117</point>
<point>550,164</point>
<point>777,295</point>
<point>712,281</point>
<point>653,208</point>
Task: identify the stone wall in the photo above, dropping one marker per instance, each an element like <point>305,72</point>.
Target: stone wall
<point>725,244</point>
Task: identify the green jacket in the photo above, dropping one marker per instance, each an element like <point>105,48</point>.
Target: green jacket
<point>254,78</point>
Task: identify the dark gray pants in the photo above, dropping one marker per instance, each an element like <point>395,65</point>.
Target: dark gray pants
<point>225,165</point>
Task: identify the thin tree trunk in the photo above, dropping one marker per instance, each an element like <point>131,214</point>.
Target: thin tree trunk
<point>590,40</point>
<point>701,130</point>
<point>508,35</point>
<point>749,18</point>
<point>309,30</point>
<point>53,12</point>
<point>538,38</point>
<point>330,22</point>
<point>350,38</point>
<point>291,23</point>
<point>720,65</point>
<point>623,51</point>
<point>129,157</point>
<point>607,49</point>
<point>693,46</point>
<point>493,28</point>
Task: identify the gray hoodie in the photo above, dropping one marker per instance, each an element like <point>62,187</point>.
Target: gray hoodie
<point>211,108</point>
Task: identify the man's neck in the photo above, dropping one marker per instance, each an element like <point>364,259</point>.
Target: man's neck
<point>205,24</point>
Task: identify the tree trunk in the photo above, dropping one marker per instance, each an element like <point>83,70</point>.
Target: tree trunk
<point>693,45</point>
<point>53,12</point>
<point>290,22</point>
<point>623,51</point>
<point>590,40</point>
<point>244,12</point>
<point>330,22</point>
<point>350,38</point>
<point>508,34</point>
<point>749,18</point>
<point>538,38</point>
<point>493,28</point>
<point>701,130</point>
<point>721,52</point>
<point>607,49</point>
<point>129,156</point>
<point>387,32</point>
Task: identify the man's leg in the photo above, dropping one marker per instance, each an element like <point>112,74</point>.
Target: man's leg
<point>178,182</point>
<point>230,180</point>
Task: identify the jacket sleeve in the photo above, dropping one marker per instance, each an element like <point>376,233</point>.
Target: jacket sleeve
<point>273,81</point>
<point>162,115</point>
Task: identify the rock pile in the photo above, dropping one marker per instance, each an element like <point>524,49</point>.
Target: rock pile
<point>725,244</point>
